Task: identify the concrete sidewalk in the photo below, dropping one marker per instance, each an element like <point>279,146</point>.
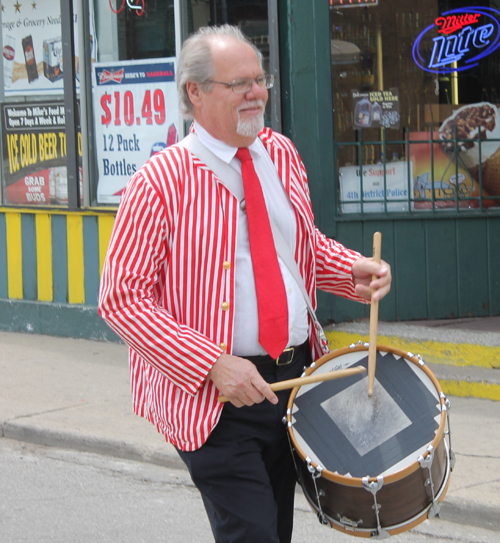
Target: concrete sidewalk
<point>74,393</point>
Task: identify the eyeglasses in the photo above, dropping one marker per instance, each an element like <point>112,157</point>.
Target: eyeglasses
<point>241,86</point>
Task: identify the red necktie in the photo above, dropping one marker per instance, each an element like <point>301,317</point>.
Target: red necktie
<point>271,296</point>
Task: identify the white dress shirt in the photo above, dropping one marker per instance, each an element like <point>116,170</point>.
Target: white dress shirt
<point>246,321</point>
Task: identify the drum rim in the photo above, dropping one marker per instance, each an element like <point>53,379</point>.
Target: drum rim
<point>391,477</point>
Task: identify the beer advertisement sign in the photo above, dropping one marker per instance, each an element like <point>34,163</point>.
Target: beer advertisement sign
<point>34,153</point>
<point>136,115</point>
<point>457,40</point>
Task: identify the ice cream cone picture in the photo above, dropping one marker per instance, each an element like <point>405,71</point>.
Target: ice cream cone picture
<point>491,175</point>
<point>451,182</point>
<point>466,124</point>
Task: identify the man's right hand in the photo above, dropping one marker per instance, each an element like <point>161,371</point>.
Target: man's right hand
<point>238,379</point>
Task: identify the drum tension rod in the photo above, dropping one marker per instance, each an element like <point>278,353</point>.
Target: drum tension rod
<point>427,463</point>
<point>374,487</point>
<point>292,448</point>
<point>316,474</point>
<point>447,407</point>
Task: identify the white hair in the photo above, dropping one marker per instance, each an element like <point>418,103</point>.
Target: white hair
<point>196,63</point>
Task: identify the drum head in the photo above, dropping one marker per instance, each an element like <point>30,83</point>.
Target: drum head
<point>337,426</point>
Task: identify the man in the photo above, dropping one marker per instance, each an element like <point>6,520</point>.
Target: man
<point>182,288</point>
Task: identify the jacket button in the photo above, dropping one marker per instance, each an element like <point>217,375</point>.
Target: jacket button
<point>224,306</point>
<point>223,346</point>
<point>226,265</point>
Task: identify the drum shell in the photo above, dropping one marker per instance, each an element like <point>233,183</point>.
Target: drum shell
<point>355,503</point>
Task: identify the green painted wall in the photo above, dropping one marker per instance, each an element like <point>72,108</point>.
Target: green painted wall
<point>442,267</point>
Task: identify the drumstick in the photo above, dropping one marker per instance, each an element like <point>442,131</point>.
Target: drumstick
<point>314,378</point>
<point>372,351</point>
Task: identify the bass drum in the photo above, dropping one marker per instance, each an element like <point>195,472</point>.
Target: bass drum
<point>372,467</point>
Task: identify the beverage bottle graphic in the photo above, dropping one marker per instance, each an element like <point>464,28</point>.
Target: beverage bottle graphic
<point>376,112</point>
<point>9,53</point>
<point>363,113</point>
<point>29,57</point>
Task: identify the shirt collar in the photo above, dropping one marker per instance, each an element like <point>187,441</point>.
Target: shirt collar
<point>220,149</point>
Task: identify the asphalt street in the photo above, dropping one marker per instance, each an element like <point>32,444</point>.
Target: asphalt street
<point>52,495</point>
<point>73,394</point>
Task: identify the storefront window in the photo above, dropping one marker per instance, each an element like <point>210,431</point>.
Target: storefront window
<point>126,98</point>
<point>251,16</point>
<point>416,96</point>
<point>33,127</point>
<point>134,94</point>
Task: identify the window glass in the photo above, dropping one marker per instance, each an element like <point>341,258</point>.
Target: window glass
<point>251,16</point>
<point>34,151</point>
<point>134,92</point>
<point>134,96</point>
<point>415,87</point>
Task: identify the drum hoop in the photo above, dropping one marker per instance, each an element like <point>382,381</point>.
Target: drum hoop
<point>391,477</point>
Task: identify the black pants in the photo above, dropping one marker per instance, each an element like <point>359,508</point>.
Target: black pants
<point>245,470</point>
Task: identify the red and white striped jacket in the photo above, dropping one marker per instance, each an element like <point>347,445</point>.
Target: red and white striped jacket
<point>168,281</point>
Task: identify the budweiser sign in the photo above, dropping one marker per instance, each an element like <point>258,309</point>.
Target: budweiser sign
<point>106,76</point>
<point>457,40</point>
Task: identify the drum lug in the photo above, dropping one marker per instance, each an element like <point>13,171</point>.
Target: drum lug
<point>426,462</point>
<point>374,486</point>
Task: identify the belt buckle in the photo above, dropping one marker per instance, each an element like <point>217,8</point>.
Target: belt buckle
<point>290,357</point>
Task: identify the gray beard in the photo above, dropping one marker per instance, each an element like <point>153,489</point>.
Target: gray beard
<point>250,128</point>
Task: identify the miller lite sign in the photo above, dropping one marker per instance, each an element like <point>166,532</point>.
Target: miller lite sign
<point>458,40</point>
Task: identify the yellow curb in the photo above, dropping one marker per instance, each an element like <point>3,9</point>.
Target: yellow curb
<point>451,354</point>
<point>486,391</point>
<point>432,352</point>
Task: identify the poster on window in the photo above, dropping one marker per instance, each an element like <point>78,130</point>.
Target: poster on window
<point>381,184</point>
<point>440,180</point>
<point>376,109</point>
<point>466,123</point>
<point>34,153</point>
<point>136,115</point>
<point>32,47</point>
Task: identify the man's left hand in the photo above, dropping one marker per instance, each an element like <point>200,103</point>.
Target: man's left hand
<point>362,272</point>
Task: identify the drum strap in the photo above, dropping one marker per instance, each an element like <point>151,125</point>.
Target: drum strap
<point>231,180</point>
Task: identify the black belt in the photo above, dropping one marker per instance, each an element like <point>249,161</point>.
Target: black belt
<point>285,358</point>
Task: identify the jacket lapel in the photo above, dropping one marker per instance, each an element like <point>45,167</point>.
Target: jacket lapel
<point>291,175</point>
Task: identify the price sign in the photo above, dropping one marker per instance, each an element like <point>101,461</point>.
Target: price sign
<point>114,112</point>
<point>136,115</point>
